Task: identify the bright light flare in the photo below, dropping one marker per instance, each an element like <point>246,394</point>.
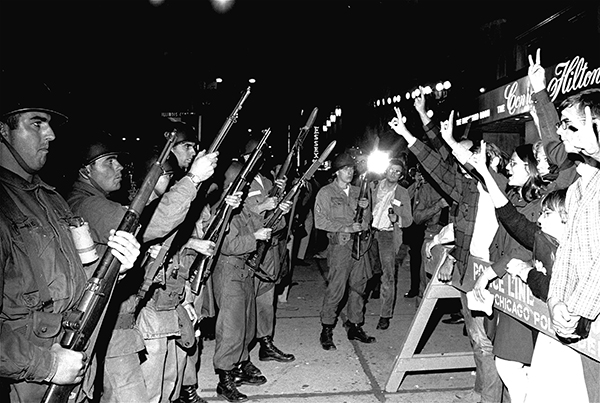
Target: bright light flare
<point>378,161</point>
<point>222,6</point>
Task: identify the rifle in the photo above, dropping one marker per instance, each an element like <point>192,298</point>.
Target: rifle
<point>287,164</point>
<point>262,246</point>
<point>361,236</point>
<point>151,265</point>
<point>81,322</point>
<point>201,268</point>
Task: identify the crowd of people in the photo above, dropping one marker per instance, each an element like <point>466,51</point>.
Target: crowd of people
<point>533,214</point>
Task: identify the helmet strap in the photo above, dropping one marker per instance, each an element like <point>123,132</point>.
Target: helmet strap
<point>17,157</point>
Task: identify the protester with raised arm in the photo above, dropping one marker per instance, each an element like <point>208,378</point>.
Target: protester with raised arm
<point>473,223</point>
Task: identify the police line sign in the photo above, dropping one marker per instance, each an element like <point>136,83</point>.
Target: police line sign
<point>513,297</point>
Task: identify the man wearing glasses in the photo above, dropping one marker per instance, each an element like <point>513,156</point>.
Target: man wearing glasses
<point>391,213</point>
<point>573,297</point>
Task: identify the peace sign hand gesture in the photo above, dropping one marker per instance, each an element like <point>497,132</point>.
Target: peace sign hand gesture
<point>536,73</point>
<point>397,124</point>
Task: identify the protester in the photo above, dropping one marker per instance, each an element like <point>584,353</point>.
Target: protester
<point>391,213</point>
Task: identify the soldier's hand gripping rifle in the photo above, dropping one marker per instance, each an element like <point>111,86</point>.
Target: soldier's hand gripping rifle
<point>201,268</point>
<point>81,322</point>
<point>255,259</point>
<point>284,170</point>
<point>361,238</point>
<point>151,265</point>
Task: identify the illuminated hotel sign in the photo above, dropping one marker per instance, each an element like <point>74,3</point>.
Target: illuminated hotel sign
<point>514,98</point>
<point>572,75</point>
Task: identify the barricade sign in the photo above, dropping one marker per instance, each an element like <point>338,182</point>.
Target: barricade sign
<point>514,297</point>
<point>407,360</point>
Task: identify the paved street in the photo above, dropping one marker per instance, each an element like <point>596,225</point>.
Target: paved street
<point>355,372</point>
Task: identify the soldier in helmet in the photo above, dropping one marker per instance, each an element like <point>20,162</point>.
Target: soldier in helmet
<point>335,208</point>
<point>259,201</point>
<point>100,175</point>
<point>42,273</point>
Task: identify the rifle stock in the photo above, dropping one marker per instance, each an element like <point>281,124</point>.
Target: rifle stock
<point>82,321</point>
<point>202,266</point>
<point>357,251</point>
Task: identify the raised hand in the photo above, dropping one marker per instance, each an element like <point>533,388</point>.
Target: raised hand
<point>398,125</point>
<point>420,102</point>
<point>536,73</point>
<point>447,129</point>
<point>478,159</point>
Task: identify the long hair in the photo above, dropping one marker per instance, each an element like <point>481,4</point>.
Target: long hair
<point>532,189</point>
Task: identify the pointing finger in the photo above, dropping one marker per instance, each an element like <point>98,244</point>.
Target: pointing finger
<point>537,57</point>
<point>530,60</point>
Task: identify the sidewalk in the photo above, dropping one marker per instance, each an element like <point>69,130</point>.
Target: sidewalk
<point>355,372</point>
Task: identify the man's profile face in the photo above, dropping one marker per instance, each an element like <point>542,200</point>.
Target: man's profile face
<point>106,172</point>
<point>31,138</point>
<point>185,153</point>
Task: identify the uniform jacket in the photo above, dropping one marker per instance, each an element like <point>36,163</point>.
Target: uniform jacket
<point>43,244</point>
<point>334,210</point>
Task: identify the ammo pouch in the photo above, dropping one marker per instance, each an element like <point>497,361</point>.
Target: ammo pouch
<point>43,327</point>
<point>339,238</point>
<point>187,338</point>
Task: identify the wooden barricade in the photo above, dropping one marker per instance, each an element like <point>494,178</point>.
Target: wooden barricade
<point>407,360</point>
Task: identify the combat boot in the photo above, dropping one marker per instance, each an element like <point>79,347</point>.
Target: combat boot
<point>188,395</point>
<point>269,352</point>
<point>327,338</point>
<point>245,373</point>
<point>356,332</point>
<point>227,389</point>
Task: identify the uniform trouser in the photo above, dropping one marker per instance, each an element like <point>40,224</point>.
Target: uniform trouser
<point>236,322</point>
<point>190,372</point>
<point>308,226</point>
<point>160,369</point>
<point>487,380</point>
<point>387,257</point>
<point>345,273</point>
<point>265,295</point>
<point>124,380</point>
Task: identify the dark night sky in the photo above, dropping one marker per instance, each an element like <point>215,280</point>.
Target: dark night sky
<point>118,62</point>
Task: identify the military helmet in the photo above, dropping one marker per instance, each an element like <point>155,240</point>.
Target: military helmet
<point>342,160</point>
<point>20,96</point>
<point>100,144</point>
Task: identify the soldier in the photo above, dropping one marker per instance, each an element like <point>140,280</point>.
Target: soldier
<point>335,208</point>
<point>41,273</point>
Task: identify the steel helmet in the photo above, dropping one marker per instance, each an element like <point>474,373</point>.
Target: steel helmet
<point>21,95</point>
<point>342,160</point>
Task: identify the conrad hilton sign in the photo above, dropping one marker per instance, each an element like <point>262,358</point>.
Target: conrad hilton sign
<point>572,75</point>
<point>515,98</point>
